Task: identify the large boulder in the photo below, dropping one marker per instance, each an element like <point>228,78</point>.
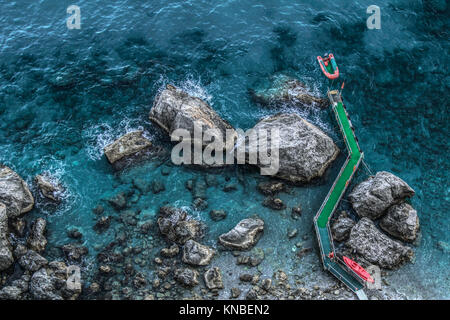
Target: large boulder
<point>285,90</point>
<point>177,226</point>
<point>36,240</point>
<point>341,228</point>
<point>6,256</point>
<point>401,221</point>
<point>128,145</point>
<point>197,254</point>
<point>376,247</point>
<point>372,197</point>
<point>14,193</point>
<point>49,187</point>
<point>305,151</point>
<point>175,109</point>
<point>32,261</point>
<point>244,235</point>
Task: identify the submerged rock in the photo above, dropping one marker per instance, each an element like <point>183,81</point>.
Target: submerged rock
<point>36,240</point>
<point>6,256</point>
<point>376,247</point>
<point>197,254</point>
<point>49,189</point>
<point>74,252</point>
<point>128,145</point>
<point>401,221</point>
<point>175,109</point>
<point>286,90</point>
<point>176,226</point>
<point>341,228</point>
<point>305,151</point>
<point>372,197</point>
<point>270,188</point>
<point>213,278</point>
<point>187,277</point>
<point>217,215</point>
<point>14,193</point>
<point>244,235</point>
<point>274,203</point>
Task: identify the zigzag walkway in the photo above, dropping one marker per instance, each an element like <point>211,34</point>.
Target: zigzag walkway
<point>322,219</point>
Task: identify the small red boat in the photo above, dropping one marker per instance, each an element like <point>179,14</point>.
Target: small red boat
<point>329,66</point>
<point>358,270</point>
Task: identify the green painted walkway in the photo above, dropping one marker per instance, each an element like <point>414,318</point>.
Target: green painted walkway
<point>321,221</point>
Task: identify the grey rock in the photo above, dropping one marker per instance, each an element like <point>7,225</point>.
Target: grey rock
<point>213,278</point>
<point>305,151</point>
<point>197,254</point>
<point>128,145</point>
<point>170,252</point>
<point>217,215</point>
<point>244,235</point>
<point>74,252</point>
<point>36,240</point>
<point>42,286</point>
<point>285,90</point>
<point>401,221</point>
<point>341,228</point>
<point>187,277</point>
<point>6,256</point>
<point>175,224</point>
<point>372,197</point>
<point>274,203</point>
<point>271,188</point>
<point>32,261</point>
<point>175,109</point>
<point>14,193</point>
<point>376,247</point>
<point>49,187</point>
<point>235,293</point>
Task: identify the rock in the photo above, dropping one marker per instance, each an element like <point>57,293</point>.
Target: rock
<point>187,277</point>
<point>49,187</point>
<point>246,277</point>
<point>42,286</point>
<point>244,235</point>
<point>6,256</point>
<point>174,109</point>
<point>341,228</point>
<point>32,261</point>
<point>175,224</point>
<point>305,151</point>
<point>230,187</point>
<point>376,247</point>
<point>36,240</point>
<point>128,217</point>
<point>102,224</point>
<point>217,215</point>
<point>128,145</point>
<point>74,252</point>
<point>170,252</point>
<point>119,201</point>
<point>74,234</point>
<point>213,279</point>
<point>401,221</point>
<point>271,188</point>
<point>18,226</point>
<point>200,204</point>
<point>292,233</point>
<point>16,290</point>
<point>235,293</point>
<point>274,203</point>
<point>157,186</point>
<point>372,197</point>
<point>266,284</point>
<point>285,90</point>
<point>253,259</point>
<point>296,212</point>
<point>197,254</point>
<point>14,193</point>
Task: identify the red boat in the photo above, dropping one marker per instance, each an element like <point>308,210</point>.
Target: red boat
<point>329,66</point>
<point>358,270</point>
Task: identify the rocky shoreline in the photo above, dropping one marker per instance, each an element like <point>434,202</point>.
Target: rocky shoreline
<point>184,266</point>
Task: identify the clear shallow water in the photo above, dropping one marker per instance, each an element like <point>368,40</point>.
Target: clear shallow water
<point>64,94</point>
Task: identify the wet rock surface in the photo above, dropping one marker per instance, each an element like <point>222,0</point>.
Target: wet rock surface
<point>6,256</point>
<point>213,278</point>
<point>49,187</point>
<point>128,145</point>
<point>37,240</point>
<point>187,277</point>
<point>305,151</point>
<point>401,221</point>
<point>175,224</point>
<point>197,254</point>
<point>341,228</point>
<point>376,247</point>
<point>14,193</point>
<point>372,197</point>
<point>244,235</point>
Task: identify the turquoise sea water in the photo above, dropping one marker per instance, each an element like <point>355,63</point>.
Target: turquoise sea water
<point>65,94</point>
